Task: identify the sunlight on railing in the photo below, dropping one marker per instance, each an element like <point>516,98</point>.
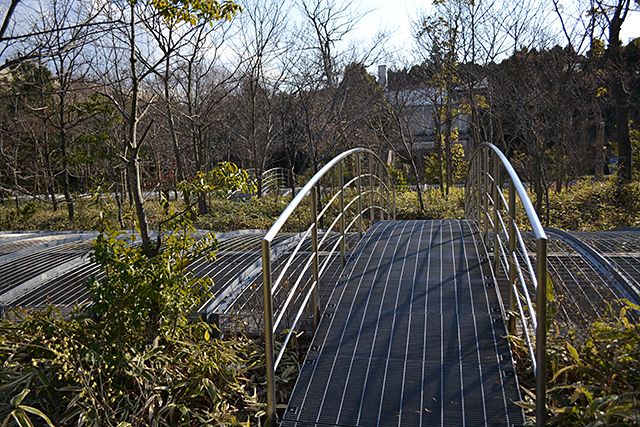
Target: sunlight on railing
<point>347,208</point>
<point>496,216</point>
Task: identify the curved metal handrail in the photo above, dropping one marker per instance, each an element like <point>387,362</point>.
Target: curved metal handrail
<point>485,203</point>
<point>380,189</point>
<point>532,215</point>
<point>275,228</point>
<point>273,179</point>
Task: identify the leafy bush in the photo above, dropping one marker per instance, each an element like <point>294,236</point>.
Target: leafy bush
<point>138,359</point>
<point>253,214</point>
<point>594,379</point>
<point>40,215</point>
<point>225,179</point>
<point>592,206</point>
<point>75,373</point>
<point>434,167</point>
<point>151,292</point>
<point>436,205</point>
<point>225,215</point>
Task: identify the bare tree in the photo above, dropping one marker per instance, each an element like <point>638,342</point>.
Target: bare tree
<point>69,64</point>
<point>204,83</point>
<point>131,100</point>
<point>24,36</point>
<point>407,113</point>
<point>329,76</point>
<point>169,39</point>
<point>330,22</point>
<point>25,148</point>
<point>265,44</point>
<point>613,15</point>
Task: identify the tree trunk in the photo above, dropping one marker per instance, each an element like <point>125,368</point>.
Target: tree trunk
<point>64,151</point>
<point>133,166</point>
<point>625,155</point>
<point>65,177</point>
<point>448,125</point>
<point>620,95</point>
<point>52,193</point>
<point>418,183</point>
<point>174,133</point>
<point>119,203</point>
<point>133,163</point>
<point>49,175</point>
<point>599,148</point>
<point>438,143</point>
<point>199,152</point>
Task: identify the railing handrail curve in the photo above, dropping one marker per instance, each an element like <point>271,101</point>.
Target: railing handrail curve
<point>284,216</point>
<point>486,198</point>
<point>386,194</point>
<point>532,215</point>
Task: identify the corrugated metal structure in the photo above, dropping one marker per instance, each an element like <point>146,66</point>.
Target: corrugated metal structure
<point>38,269</point>
<point>412,330</point>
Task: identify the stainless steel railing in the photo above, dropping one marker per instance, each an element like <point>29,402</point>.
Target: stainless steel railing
<point>274,179</point>
<point>489,172</point>
<point>366,196</point>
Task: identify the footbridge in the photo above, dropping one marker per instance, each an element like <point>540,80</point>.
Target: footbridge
<point>408,321</point>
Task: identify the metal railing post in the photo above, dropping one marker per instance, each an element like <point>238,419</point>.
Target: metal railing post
<point>478,195</point>
<point>343,257</point>
<point>467,198</point>
<point>485,189</point>
<point>511,319</point>
<point>359,173</point>
<point>472,193</point>
<point>268,330</point>
<point>541,333</point>
<point>381,192</point>
<point>481,169</point>
<point>312,189</point>
<point>496,213</point>
<point>393,187</point>
<point>371,187</point>
<point>314,248</point>
<point>475,191</point>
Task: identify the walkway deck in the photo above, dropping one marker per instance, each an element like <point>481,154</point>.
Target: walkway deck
<point>412,336</point>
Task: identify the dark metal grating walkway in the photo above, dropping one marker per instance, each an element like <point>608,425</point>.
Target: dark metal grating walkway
<point>412,336</point>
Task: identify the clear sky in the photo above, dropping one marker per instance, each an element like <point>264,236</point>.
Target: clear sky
<point>394,14</point>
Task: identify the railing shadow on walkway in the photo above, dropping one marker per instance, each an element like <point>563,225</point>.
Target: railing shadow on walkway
<point>497,216</point>
<point>368,195</point>
<point>371,196</point>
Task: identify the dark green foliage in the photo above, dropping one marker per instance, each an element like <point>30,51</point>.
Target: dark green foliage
<point>31,78</point>
<point>593,379</point>
<point>77,375</point>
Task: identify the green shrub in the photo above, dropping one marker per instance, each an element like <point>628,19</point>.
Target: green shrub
<point>434,168</point>
<point>593,378</point>
<point>436,205</point>
<point>74,373</point>
<point>41,215</point>
<point>593,206</point>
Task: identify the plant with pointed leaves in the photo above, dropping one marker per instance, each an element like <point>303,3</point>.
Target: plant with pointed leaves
<point>142,294</point>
